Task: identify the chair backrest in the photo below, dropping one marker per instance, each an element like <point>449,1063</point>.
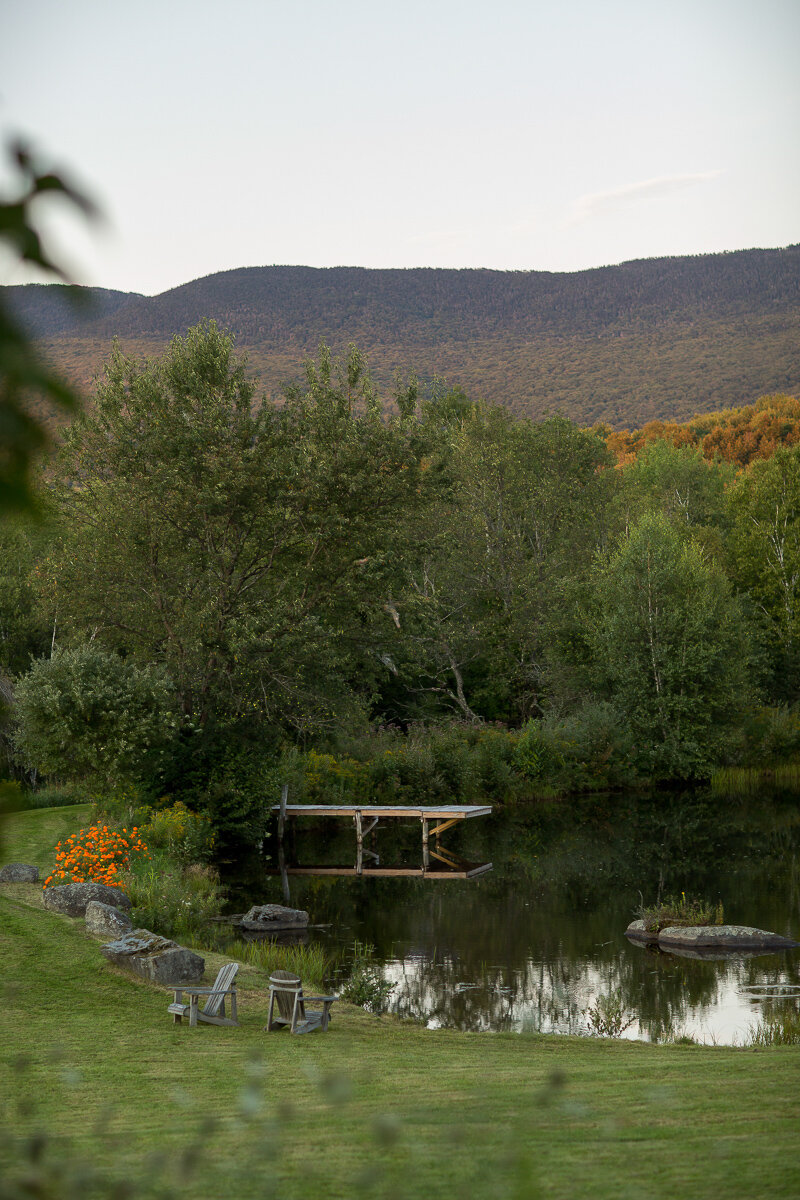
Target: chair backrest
<point>286,987</point>
<point>222,983</point>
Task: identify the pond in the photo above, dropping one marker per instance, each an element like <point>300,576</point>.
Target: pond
<point>537,940</point>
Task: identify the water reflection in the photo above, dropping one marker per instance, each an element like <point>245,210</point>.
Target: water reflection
<point>535,942</point>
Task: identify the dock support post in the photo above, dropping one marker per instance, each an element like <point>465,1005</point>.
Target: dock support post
<point>359,829</point>
<point>424,833</point>
<point>287,896</point>
<point>282,813</point>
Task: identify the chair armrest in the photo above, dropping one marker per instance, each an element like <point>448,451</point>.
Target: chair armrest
<point>201,991</point>
<point>329,998</point>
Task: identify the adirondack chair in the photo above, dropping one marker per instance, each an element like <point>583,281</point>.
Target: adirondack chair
<point>286,991</point>
<point>213,1011</point>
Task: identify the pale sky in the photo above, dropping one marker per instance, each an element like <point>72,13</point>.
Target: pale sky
<point>441,133</point>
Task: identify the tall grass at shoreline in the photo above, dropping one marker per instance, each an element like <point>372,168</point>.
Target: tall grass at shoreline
<point>749,781</point>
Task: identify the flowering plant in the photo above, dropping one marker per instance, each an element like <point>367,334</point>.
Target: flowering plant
<point>97,854</point>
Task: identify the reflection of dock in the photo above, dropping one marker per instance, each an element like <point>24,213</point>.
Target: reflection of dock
<point>451,868</point>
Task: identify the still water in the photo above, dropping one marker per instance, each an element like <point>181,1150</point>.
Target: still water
<point>536,940</point>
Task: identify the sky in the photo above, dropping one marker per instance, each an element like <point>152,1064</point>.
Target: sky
<point>516,134</point>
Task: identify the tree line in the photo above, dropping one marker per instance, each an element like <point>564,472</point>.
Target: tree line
<point>222,581</point>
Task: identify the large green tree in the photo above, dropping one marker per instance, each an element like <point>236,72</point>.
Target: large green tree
<point>249,547</point>
<point>672,648</point>
<point>527,508</point>
<point>765,548</point>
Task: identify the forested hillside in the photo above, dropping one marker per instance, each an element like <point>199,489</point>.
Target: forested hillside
<point>657,338</point>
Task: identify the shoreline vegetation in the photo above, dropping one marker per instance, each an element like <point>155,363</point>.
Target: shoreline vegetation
<point>107,1097</point>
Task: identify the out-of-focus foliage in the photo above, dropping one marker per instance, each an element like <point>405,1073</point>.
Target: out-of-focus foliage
<point>23,370</point>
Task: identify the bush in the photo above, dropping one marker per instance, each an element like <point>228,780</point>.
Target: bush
<point>186,836</point>
<point>494,762</point>
<point>328,779</point>
<point>588,751</point>
<point>87,714</point>
<point>366,986</point>
<point>769,737</point>
<point>229,772</point>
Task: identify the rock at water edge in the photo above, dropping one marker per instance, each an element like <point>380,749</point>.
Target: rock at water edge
<point>638,931</point>
<point>733,937</point>
<point>265,917</point>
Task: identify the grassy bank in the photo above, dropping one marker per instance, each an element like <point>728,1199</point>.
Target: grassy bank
<point>374,1107</point>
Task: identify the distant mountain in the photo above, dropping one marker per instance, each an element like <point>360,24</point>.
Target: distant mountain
<point>653,338</point>
<point>48,309</point>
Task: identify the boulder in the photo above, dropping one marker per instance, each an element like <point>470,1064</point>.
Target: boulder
<point>638,932</point>
<point>72,898</point>
<point>268,918</point>
<point>19,873</point>
<point>106,921</point>
<point>155,958</point>
<point>723,937</point>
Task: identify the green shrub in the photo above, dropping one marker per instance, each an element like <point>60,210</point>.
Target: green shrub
<point>87,714</point>
<point>538,756</point>
<point>365,985</point>
<point>186,836</point>
<point>770,736</point>
<point>588,751</point>
<point>493,758</point>
<point>328,779</point>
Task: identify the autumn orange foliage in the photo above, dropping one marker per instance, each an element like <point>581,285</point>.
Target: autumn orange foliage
<point>738,435</point>
<point>97,854</point>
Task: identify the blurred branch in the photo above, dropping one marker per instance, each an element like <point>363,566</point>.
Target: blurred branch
<point>23,372</point>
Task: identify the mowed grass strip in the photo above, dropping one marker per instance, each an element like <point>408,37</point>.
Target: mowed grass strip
<point>373,1107</point>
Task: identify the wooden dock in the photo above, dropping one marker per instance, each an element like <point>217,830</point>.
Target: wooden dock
<point>435,819</point>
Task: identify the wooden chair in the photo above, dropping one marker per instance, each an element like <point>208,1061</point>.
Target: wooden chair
<point>286,991</point>
<point>213,1011</point>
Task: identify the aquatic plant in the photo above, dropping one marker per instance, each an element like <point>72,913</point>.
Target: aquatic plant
<point>778,1029</point>
<point>313,963</point>
<point>748,781</point>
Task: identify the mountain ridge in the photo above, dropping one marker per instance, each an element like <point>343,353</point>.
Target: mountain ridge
<point>621,344</point>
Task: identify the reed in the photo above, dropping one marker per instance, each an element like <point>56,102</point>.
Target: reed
<point>781,1029</point>
<point>747,781</point>
<point>313,963</point>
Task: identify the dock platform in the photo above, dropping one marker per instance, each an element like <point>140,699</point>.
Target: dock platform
<point>434,818</point>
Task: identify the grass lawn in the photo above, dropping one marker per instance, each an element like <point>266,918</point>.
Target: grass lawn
<point>375,1107</point>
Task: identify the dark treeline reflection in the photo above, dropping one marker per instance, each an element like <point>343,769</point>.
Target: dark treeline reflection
<point>535,941</point>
